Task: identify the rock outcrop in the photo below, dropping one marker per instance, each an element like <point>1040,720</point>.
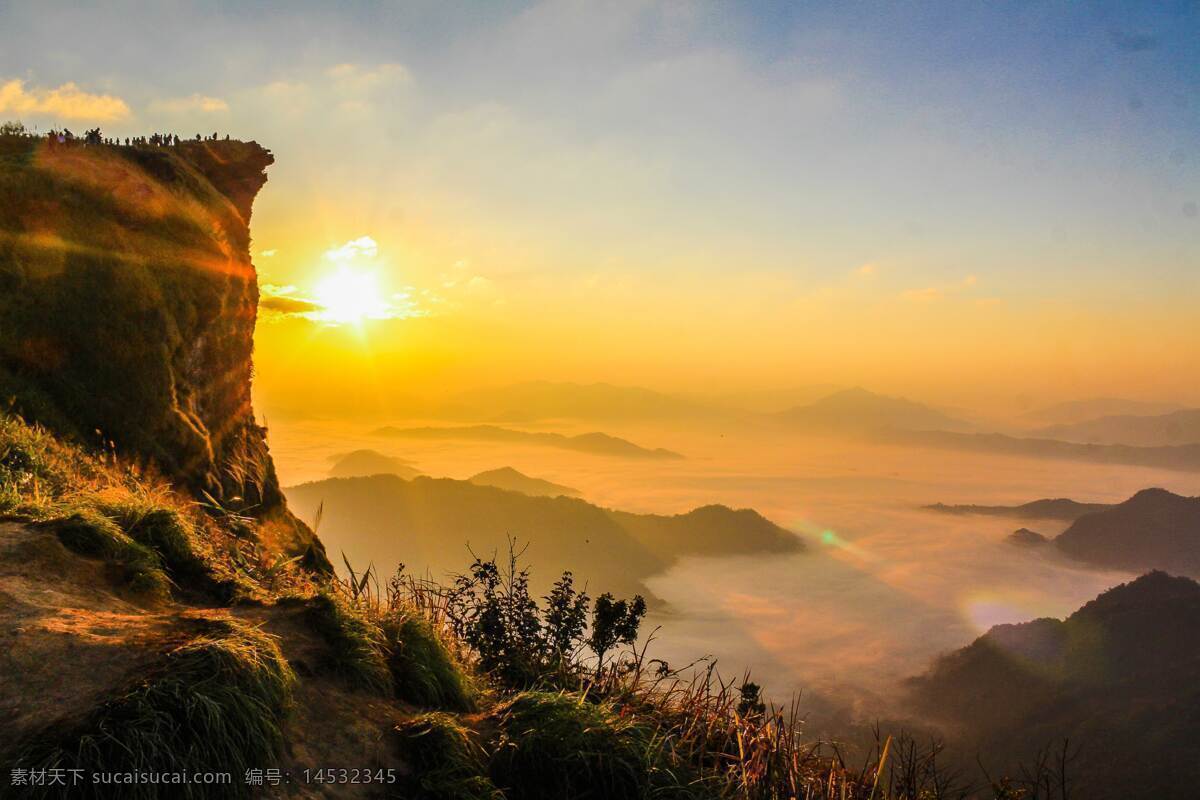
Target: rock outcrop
<point>128,302</point>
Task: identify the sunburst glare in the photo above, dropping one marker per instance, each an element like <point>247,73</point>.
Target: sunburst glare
<point>350,296</point>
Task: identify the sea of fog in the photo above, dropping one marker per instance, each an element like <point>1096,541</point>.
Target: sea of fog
<point>882,587</point>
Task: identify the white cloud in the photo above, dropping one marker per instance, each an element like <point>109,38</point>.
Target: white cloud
<point>362,247</point>
<point>67,101</point>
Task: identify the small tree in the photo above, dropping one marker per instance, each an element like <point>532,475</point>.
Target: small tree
<point>614,622</point>
<point>12,128</point>
<point>565,619</point>
<point>491,611</point>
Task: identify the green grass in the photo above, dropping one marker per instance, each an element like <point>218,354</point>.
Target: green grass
<point>35,465</point>
<point>445,761</point>
<point>90,533</point>
<point>217,704</point>
<point>107,510</point>
<point>554,745</point>
<point>160,527</point>
<point>424,672</point>
<point>355,645</point>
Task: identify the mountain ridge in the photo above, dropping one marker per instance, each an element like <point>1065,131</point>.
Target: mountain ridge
<point>860,410</point>
<point>386,520</point>
<point>1153,529</point>
<point>1180,427</point>
<point>515,481</point>
<point>1118,667</point>
<point>595,443</point>
<point>1059,508</point>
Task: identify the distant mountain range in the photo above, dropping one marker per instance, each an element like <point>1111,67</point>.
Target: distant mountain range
<point>359,463</point>
<point>859,410</point>
<point>430,522</point>
<point>1154,529</point>
<point>1162,430</point>
<point>1185,458</point>
<point>594,443</point>
<point>1058,508</point>
<point>510,480</point>
<point>1117,679</point>
<point>1092,408</point>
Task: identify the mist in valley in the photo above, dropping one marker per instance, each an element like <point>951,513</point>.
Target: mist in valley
<point>881,588</point>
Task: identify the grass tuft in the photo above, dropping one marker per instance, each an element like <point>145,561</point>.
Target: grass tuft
<point>217,705</point>
<point>75,490</point>
<point>355,645</point>
<point>554,745</point>
<point>90,533</point>
<point>445,761</point>
<point>423,670</point>
<point>150,522</point>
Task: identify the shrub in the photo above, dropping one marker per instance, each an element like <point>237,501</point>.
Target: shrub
<point>424,672</point>
<point>217,705</point>
<point>445,761</point>
<point>522,644</point>
<point>491,610</point>
<point>614,622</point>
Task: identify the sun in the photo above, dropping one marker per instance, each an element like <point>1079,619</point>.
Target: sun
<point>349,297</point>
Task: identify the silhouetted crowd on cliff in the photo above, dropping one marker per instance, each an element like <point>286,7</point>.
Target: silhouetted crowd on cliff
<point>65,137</point>
<point>94,136</point>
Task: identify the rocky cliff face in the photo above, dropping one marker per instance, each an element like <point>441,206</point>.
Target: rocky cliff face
<point>127,308</point>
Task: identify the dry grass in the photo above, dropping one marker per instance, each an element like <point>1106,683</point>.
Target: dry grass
<point>691,732</point>
<point>216,704</point>
<point>128,507</point>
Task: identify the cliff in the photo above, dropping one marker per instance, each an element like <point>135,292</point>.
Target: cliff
<point>127,309</point>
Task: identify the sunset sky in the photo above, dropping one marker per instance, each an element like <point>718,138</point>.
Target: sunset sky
<point>960,202</point>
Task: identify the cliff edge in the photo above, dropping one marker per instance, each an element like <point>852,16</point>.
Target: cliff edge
<point>127,309</point>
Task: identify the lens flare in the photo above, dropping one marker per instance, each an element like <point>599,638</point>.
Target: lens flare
<point>349,296</point>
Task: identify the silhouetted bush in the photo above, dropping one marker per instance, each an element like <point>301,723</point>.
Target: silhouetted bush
<point>521,643</point>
